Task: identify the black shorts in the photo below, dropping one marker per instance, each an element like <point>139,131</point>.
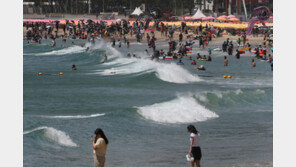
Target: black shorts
<point>196,153</point>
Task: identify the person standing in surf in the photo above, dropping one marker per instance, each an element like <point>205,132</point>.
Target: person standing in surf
<point>194,150</point>
<point>99,143</point>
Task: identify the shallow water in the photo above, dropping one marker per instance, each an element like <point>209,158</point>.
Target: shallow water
<point>144,107</point>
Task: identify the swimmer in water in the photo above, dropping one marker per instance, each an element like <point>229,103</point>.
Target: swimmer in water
<point>127,44</point>
<point>104,58</point>
<point>237,54</point>
<point>53,44</point>
<point>201,68</point>
<point>147,51</point>
<point>209,58</point>
<point>74,67</point>
<point>180,61</point>
<point>119,43</point>
<point>225,61</point>
<point>193,62</point>
<point>198,56</point>
<point>86,49</point>
<point>253,63</point>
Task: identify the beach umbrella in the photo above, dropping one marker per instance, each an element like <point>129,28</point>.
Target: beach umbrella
<point>230,16</point>
<point>234,19</point>
<point>222,18</point>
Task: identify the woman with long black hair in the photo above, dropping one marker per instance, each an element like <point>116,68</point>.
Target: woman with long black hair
<point>100,146</point>
<point>194,150</point>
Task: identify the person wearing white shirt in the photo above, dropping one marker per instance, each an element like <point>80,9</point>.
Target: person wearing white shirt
<point>194,150</point>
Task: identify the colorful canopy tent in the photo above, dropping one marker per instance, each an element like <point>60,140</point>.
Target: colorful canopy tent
<point>198,15</point>
<point>137,11</point>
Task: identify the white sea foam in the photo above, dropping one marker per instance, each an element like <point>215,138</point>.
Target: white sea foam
<point>183,109</point>
<point>220,94</point>
<point>122,65</point>
<point>73,116</point>
<point>166,72</point>
<point>260,91</point>
<point>174,73</point>
<point>35,129</point>
<point>55,136</point>
<point>202,97</point>
<point>69,50</point>
<point>238,91</point>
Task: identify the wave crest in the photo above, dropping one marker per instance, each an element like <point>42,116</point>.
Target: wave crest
<point>74,116</point>
<point>183,109</point>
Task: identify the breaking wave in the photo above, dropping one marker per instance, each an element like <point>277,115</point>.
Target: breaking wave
<point>54,135</point>
<point>183,109</point>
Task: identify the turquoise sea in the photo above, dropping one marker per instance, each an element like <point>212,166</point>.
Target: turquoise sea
<point>143,106</point>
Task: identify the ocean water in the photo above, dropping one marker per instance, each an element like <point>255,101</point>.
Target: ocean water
<point>144,107</point>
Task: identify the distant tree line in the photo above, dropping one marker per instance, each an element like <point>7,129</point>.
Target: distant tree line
<point>121,6</point>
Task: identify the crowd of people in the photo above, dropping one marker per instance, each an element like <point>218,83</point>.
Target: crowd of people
<point>124,31</point>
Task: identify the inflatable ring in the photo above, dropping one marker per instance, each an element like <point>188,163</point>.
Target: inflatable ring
<point>241,51</point>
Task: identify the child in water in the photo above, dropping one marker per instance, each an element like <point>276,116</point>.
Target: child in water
<point>74,67</point>
<point>225,61</point>
<point>253,63</point>
<point>180,61</point>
